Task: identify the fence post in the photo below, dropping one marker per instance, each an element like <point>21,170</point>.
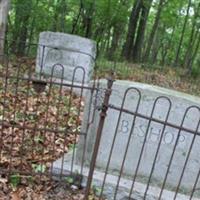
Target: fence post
<point>103,114</point>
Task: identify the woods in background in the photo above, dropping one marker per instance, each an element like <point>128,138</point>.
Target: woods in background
<point>162,32</point>
<point>4,7</point>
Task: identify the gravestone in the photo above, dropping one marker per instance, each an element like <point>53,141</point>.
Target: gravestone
<point>143,128</point>
<point>70,51</point>
<point>151,130</point>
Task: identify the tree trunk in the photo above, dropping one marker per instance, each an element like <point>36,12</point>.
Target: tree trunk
<point>4,8</point>
<point>167,47</point>
<point>108,41</point>
<point>153,31</point>
<point>16,28</point>
<point>115,41</point>
<point>32,28</point>
<point>75,21</point>
<point>191,61</point>
<point>193,35</point>
<point>89,20</point>
<point>190,48</point>
<point>55,26</point>
<point>182,35</point>
<point>137,50</point>
<point>157,44</point>
<point>127,49</point>
<point>21,26</point>
<point>117,26</point>
<point>63,14</point>
<point>23,37</point>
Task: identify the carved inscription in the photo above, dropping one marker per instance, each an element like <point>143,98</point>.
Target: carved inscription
<point>154,133</point>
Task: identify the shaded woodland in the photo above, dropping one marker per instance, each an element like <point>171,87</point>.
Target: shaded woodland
<point>152,32</point>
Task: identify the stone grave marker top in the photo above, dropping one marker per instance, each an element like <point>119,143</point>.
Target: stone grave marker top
<point>71,51</point>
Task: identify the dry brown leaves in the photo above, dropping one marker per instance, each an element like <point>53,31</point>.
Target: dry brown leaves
<point>41,189</point>
<point>35,130</point>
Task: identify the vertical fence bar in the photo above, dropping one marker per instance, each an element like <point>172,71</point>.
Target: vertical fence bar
<point>173,152</point>
<point>78,112</point>
<point>5,89</point>
<point>99,134</point>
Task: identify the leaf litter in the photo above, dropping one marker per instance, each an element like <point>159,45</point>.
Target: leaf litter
<point>33,149</point>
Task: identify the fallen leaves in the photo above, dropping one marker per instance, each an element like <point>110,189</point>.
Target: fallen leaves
<point>15,196</point>
<point>35,130</point>
<point>41,188</point>
<point>37,127</point>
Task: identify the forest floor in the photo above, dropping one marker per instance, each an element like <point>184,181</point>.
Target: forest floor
<point>44,189</point>
<point>32,150</point>
<point>167,77</point>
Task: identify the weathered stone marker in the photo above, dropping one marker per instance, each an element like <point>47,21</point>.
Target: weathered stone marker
<point>68,50</point>
<point>142,129</point>
<point>152,131</point>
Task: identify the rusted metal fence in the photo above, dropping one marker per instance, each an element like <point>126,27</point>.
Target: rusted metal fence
<point>40,116</point>
<point>193,132</point>
<point>40,120</point>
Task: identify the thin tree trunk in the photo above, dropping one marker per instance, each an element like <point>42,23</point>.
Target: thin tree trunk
<point>117,32</point>
<point>127,49</point>
<point>23,38</point>
<point>4,8</point>
<point>77,18</point>
<point>157,44</point>
<point>137,50</point>
<point>23,33</point>
<point>169,44</point>
<point>115,41</point>
<point>153,31</point>
<point>16,28</point>
<point>21,26</point>
<point>89,20</point>
<point>182,35</point>
<point>190,48</point>
<point>191,61</point>
<point>193,35</point>
<point>32,30</point>
<point>59,16</point>
<point>108,41</point>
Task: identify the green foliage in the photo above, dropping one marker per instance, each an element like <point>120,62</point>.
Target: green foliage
<point>69,180</point>
<point>15,180</point>
<point>74,179</point>
<point>39,168</point>
<point>97,190</point>
<point>195,73</point>
<point>72,147</point>
<point>108,21</point>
